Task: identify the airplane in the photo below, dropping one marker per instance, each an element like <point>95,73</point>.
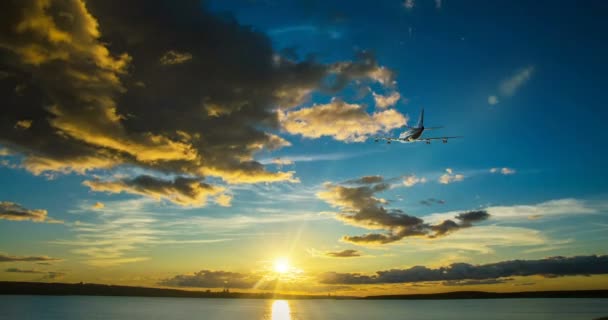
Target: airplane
<point>414,134</point>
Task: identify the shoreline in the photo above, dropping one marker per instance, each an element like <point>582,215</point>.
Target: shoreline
<point>91,289</point>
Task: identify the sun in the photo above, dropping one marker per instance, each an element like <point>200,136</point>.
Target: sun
<point>281,265</point>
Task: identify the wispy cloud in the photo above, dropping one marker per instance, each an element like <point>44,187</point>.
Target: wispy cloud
<point>504,170</point>
<point>336,156</point>
<point>509,86</point>
<point>290,29</point>
<point>552,208</point>
<point>346,253</point>
<point>9,258</point>
<point>123,231</point>
<point>47,275</point>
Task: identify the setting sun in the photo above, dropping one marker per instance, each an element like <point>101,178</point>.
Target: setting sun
<point>303,159</point>
<point>281,265</point>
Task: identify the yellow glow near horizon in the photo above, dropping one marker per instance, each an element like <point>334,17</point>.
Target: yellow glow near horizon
<point>281,265</point>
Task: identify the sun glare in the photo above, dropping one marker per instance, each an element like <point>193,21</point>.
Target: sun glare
<point>281,265</point>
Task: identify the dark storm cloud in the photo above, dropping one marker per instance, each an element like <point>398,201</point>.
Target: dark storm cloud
<point>7,258</point>
<point>162,85</point>
<point>15,212</point>
<point>213,279</point>
<point>348,253</point>
<point>361,207</point>
<point>548,267</point>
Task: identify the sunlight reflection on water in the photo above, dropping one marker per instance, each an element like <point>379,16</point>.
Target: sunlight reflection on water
<point>280,310</point>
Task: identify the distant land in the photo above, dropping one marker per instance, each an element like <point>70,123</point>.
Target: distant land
<point>90,289</point>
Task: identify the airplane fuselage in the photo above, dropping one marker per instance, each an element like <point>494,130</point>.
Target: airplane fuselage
<point>411,134</point>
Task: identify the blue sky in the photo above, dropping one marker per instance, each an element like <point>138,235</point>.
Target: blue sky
<point>523,83</point>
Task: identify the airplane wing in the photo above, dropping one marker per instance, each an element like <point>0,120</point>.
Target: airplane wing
<point>429,139</point>
<point>388,139</point>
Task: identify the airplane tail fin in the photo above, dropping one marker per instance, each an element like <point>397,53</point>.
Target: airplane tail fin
<point>421,119</point>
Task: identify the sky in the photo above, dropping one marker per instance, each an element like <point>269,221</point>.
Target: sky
<point>203,145</point>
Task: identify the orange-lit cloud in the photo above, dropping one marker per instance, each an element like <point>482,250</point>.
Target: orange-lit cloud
<point>183,191</point>
<point>85,105</point>
<point>341,121</point>
<point>15,212</point>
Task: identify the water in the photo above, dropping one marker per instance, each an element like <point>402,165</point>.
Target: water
<point>134,308</point>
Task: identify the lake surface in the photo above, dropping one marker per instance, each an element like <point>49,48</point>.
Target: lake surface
<point>136,308</point>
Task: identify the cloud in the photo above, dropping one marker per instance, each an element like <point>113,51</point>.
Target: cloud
<point>384,102</point>
<point>509,86</point>
<point>362,208</point>
<point>411,180</point>
<point>15,212</point>
<point>348,253</point>
<point>450,177</point>
<point>5,152</point>
<point>89,108</point>
<point>320,157</point>
<point>173,57</point>
<point>552,208</point>
<point>341,121</point>
<point>431,201</point>
<point>98,205</point>
<point>366,180</point>
<point>466,219</point>
<point>504,171</point>
<point>213,279</point>
<point>23,124</point>
<point>547,267</point>
<point>475,282</point>
<point>123,231</point>
<point>181,190</point>
<point>409,4</point>
<point>7,258</point>
<point>282,161</point>
<point>17,270</point>
<point>48,275</point>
